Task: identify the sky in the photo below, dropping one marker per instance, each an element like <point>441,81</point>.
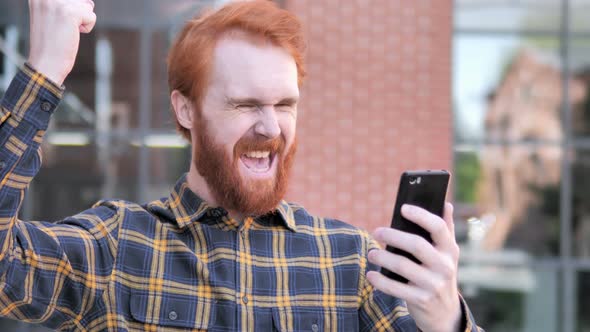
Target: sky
<point>478,63</point>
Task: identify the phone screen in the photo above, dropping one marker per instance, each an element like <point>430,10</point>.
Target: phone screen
<point>426,189</point>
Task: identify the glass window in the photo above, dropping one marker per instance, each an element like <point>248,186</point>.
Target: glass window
<point>103,89</point>
<point>109,90</point>
<point>84,173</point>
<point>77,109</point>
<point>13,12</point>
<point>500,15</point>
<point>506,88</point>
<point>579,10</point>
<point>166,166</point>
<point>507,102</point>
<point>580,202</point>
<point>579,57</point>
<point>514,190</point>
<point>583,301</point>
<point>162,117</point>
<point>152,13</point>
<point>510,297</point>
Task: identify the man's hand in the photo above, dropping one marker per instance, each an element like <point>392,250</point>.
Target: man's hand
<point>55,34</point>
<point>431,294</point>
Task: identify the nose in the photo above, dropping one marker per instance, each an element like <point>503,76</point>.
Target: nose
<point>268,124</point>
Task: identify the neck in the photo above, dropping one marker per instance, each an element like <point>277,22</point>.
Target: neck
<point>198,185</point>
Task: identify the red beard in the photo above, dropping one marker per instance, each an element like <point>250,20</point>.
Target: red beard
<point>230,191</point>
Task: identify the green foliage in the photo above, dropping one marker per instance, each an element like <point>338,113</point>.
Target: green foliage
<point>467,175</point>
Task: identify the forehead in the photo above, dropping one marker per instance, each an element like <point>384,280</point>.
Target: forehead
<point>248,67</point>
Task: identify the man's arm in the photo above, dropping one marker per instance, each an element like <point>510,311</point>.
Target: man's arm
<point>383,312</point>
<point>50,273</point>
<point>55,27</point>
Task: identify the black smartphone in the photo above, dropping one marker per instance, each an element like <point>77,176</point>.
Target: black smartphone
<point>426,189</point>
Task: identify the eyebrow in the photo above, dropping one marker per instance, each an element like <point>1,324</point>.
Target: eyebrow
<point>255,101</point>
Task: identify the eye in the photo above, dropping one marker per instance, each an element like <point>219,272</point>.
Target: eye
<point>246,107</point>
<point>284,107</point>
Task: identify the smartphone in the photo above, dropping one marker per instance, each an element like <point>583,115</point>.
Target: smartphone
<point>426,189</point>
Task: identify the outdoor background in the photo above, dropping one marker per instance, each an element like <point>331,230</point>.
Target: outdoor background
<point>496,91</point>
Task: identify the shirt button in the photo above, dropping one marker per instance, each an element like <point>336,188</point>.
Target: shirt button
<point>315,327</point>
<point>216,212</point>
<point>2,165</point>
<point>172,315</point>
<point>245,299</point>
<point>46,106</point>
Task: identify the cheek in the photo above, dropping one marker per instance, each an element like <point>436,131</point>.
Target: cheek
<point>288,129</point>
<point>232,130</point>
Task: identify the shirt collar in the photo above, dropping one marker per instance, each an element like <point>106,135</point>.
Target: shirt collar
<point>185,204</point>
<point>188,207</point>
<point>286,214</point>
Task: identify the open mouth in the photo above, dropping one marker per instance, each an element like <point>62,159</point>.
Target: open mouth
<point>258,162</point>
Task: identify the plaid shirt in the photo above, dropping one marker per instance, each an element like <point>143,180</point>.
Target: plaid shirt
<point>175,263</point>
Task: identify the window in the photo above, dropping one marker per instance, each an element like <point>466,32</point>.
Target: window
<point>524,108</point>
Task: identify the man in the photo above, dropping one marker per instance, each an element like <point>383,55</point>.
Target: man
<point>223,252</point>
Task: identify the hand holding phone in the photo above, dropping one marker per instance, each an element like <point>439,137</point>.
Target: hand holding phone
<point>432,296</point>
<point>426,189</point>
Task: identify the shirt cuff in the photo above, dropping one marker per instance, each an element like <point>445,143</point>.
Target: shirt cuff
<point>47,83</point>
<point>467,320</point>
<point>32,96</point>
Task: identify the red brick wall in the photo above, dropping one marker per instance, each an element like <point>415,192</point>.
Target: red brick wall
<point>376,102</point>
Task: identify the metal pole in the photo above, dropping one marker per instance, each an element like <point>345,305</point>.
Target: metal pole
<point>568,298</point>
<point>145,80</point>
<point>11,45</point>
<point>103,105</point>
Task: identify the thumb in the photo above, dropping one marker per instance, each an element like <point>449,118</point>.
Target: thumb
<point>86,15</point>
<point>88,24</point>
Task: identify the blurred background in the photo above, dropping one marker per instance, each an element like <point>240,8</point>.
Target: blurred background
<point>497,91</point>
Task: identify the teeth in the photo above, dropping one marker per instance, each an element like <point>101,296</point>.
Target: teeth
<point>258,154</point>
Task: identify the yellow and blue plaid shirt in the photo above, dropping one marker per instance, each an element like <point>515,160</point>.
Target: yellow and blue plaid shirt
<point>175,263</point>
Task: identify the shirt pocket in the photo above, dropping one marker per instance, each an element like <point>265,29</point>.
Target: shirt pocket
<point>175,311</point>
<point>314,319</point>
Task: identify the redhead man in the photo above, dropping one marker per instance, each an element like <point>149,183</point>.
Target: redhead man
<point>223,252</point>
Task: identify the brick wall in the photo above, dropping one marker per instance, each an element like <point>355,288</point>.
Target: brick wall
<point>376,102</point>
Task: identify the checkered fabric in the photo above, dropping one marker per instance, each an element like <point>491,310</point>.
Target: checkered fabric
<point>175,263</point>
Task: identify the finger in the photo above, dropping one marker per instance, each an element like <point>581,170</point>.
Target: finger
<point>87,2</point>
<point>91,3</point>
<point>88,24</point>
<point>84,11</point>
<point>432,223</point>
<point>407,292</point>
<point>411,243</point>
<point>415,273</point>
<point>448,218</point>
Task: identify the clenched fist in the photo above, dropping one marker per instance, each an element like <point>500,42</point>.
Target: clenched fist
<point>55,34</point>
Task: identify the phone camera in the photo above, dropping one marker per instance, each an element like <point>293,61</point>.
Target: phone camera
<point>415,179</point>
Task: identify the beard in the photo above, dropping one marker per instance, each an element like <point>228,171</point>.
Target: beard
<point>250,197</point>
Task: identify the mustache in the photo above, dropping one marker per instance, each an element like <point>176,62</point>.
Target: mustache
<point>246,144</point>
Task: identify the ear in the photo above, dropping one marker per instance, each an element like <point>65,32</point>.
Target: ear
<point>183,108</point>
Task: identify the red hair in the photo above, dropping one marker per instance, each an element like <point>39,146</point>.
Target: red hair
<point>191,55</point>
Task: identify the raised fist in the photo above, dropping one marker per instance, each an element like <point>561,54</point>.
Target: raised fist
<point>55,34</point>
